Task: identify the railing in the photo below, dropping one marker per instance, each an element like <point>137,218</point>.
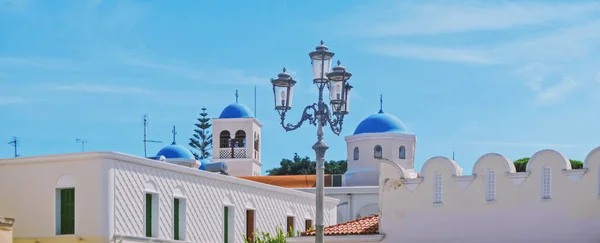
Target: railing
<point>235,153</point>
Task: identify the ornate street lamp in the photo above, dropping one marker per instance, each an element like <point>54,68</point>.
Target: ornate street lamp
<point>317,114</point>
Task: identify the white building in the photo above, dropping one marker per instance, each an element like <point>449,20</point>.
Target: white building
<point>550,202</point>
<point>114,197</point>
<point>380,135</point>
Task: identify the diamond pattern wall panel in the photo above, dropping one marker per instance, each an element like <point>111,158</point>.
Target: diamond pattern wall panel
<point>205,202</point>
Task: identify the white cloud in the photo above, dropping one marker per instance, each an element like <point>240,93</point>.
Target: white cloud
<point>541,36</point>
<point>405,18</point>
<point>433,53</point>
<point>556,93</point>
<point>13,100</point>
<point>92,88</point>
<point>518,144</point>
<point>16,6</point>
<point>187,70</point>
<point>538,75</point>
<point>36,62</point>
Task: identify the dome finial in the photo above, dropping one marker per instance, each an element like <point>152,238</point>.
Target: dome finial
<point>339,63</point>
<point>381,103</point>
<point>322,42</point>
<point>236,96</point>
<point>174,133</point>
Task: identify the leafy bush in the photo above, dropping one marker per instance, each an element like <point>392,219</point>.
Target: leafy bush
<point>521,164</point>
<point>266,237</point>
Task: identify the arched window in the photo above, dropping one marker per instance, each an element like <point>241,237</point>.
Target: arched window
<point>378,151</point>
<point>256,141</point>
<point>240,139</point>
<point>355,153</point>
<point>402,152</point>
<point>224,138</point>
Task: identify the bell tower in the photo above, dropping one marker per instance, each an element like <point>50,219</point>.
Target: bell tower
<point>237,140</point>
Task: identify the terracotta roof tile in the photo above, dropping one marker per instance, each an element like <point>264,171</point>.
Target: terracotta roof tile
<point>289,181</point>
<point>363,226</point>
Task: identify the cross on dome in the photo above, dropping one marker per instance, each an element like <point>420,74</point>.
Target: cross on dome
<point>174,133</point>
<point>236,96</point>
<point>381,103</point>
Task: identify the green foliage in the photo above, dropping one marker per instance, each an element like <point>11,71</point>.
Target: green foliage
<point>202,139</point>
<point>305,166</point>
<point>521,164</point>
<point>266,237</point>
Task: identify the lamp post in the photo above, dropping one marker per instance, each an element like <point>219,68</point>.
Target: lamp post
<point>317,114</point>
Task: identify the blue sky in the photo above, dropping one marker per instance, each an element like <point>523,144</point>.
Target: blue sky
<point>476,77</point>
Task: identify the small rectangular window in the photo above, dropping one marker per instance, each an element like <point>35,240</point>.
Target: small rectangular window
<point>148,215</point>
<point>227,218</point>
<point>491,186</point>
<point>290,224</point>
<point>179,218</point>
<point>65,212</point>
<point>546,183</point>
<point>151,215</point>
<point>307,224</point>
<point>250,225</point>
<point>437,197</point>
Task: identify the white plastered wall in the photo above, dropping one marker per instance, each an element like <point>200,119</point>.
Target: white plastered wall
<point>365,170</point>
<point>518,213</point>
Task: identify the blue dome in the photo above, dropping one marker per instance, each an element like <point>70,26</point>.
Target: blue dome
<point>236,110</point>
<point>380,122</point>
<point>174,151</point>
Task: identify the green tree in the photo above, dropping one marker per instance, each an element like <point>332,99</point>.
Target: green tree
<point>305,166</point>
<point>201,140</point>
<point>521,164</point>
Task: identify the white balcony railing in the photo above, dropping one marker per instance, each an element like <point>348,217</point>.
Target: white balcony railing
<point>235,153</point>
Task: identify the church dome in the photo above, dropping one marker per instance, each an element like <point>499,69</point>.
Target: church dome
<point>236,110</point>
<point>380,123</point>
<point>175,151</point>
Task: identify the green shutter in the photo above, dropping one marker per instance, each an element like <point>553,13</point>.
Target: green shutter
<point>226,226</point>
<point>148,215</point>
<point>67,211</point>
<point>176,219</point>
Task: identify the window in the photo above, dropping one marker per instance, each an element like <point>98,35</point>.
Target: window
<point>179,218</point>
<point>307,224</point>
<point>437,197</point>
<point>65,211</point>
<point>546,183</point>
<point>355,153</point>
<point>228,218</point>
<point>151,215</point>
<point>491,186</point>
<point>256,141</point>
<point>250,225</point>
<point>224,138</point>
<point>290,225</point>
<point>240,139</point>
<point>402,152</point>
<point>378,151</point>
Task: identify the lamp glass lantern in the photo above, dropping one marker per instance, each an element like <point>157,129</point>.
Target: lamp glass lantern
<point>344,107</point>
<point>283,91</point>
<point>321,62</point>
<point>338,92</point>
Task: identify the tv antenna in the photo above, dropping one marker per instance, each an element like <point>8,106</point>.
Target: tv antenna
<point>146,140</point>
<point>83,142</point>
<point>15,143</point>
